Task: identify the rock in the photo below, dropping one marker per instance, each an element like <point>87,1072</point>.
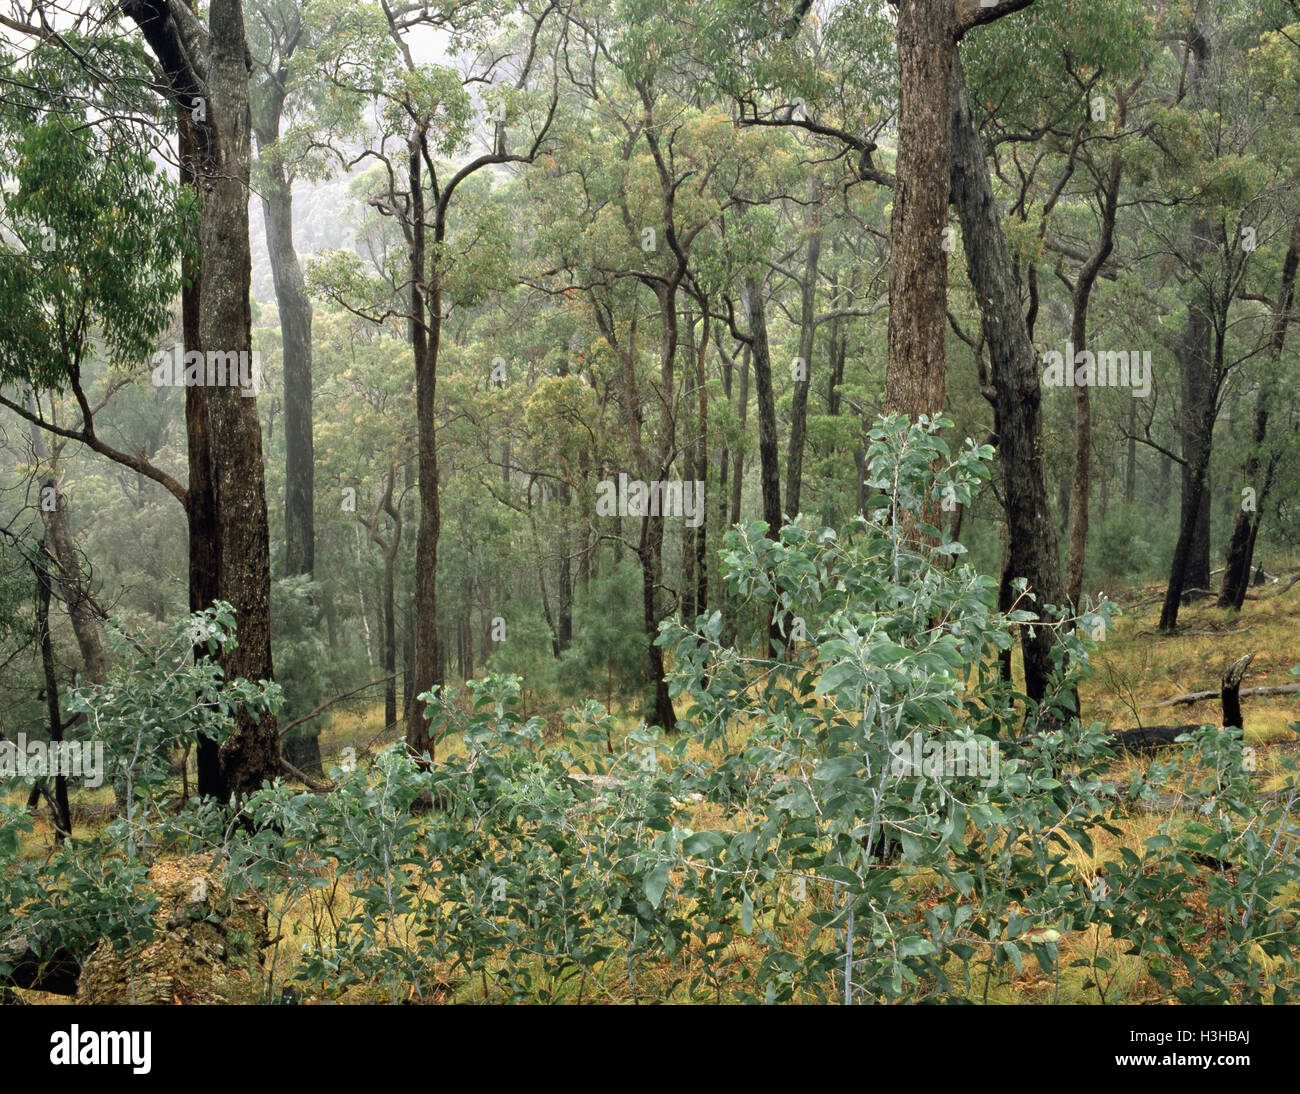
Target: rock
<point>207,949</point>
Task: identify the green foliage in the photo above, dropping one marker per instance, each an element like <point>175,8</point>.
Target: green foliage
<point>608,637</point>
<point>93,239</point>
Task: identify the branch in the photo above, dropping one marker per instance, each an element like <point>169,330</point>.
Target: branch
<point>974,13</point>
<point>137,464</point>
<point>329,703</point>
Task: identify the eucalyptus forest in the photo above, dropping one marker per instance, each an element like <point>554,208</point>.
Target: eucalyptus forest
<point>614,501</point>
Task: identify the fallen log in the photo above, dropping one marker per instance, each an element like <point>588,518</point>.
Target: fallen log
<point>1151,738</point>
<point>1147,738</point>
<point>1201,696</point>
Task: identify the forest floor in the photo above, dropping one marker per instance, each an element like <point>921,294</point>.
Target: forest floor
<point>1134,669</point>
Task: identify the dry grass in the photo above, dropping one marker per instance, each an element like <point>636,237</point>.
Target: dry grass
<point>1134,669</point>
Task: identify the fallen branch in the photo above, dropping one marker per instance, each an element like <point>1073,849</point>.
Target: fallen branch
<point>1201,696</point>
<point>311,784</point>
<point>1151,738</point>
<point>329,703</point>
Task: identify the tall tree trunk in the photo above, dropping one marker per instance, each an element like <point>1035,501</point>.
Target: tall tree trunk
<point>1130,460</point>
<point>1245,525</point>
<point>738,466</point>
<point>918,282</point>
<point>651,548</point>
<point>295,336</point>
<point>61,815</point>
<point>565,628</point>
<point>701,469</point>
<point>1190,567</point>
<point>807,332</point>
<point>769,470</point>
<point>426,330</point>
<point>1081,295</point>
<point>689,607</point>
<point>200,491</point>
<point>302,745</point>
<point>1017,393</point>
<point>251,754</point>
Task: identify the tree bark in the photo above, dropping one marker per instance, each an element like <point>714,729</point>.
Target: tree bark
<point>1017,393</point>
<point>769,470</point>
<point>426,332</point>
<point>1080,298</point>
<point>918,283</point>
<point>60,813</point>
<point>1245,525</point>
<point>799,404</point>
<point>207,74</point>
<point>295,337</point>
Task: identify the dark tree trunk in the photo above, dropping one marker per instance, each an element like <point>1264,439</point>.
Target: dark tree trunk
<point>1245,525</point>
<point>651,548</point>
<point>564,636</point>
<point>1193,498</point>
<point>769,470</point>
<point>60,814</point>
<point>1198,369</point>
<point>426,329</point>
<point>701,470</point>
<point>1017,394</point>
<point>1130,462</point>
<point>689,608</point>
<point>799,404</point>
<point>200,496</point>
<point>738,465</point>
<point>1081,296</point>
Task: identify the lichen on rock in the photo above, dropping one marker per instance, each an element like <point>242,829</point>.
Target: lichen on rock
<point>207,946</point>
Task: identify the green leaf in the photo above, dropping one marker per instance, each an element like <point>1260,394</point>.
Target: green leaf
<point>655,883</point>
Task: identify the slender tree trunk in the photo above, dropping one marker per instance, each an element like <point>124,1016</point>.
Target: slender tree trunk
<point>565,629</point>
<point>769,470</point>
<point>295,336</point>
<point>61,814</point>
<point>1191,565</point>
<point>689,587</point>
<point>1082,406</point>
<point>1245,525</point>
<point>738,466</point>
<point>652,529</point>
<point>803,378</point>
<point>1130,462</point>
<point>1017,392</point>
<point>426,329</point>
